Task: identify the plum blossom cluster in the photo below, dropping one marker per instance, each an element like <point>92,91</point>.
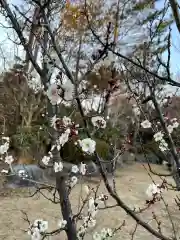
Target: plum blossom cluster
<point>136,110</point>
<point>62,224</point>
<point>89,221</point>
<point>68,130</point>
<point>63,124</point>
<point>57,93</point>
<point>105,234</point>
<point>9,160</point>
<point>158,137</point>
<point>53,93</point>
<point>4,153</point>
<point>81,169</point>
<point>172,125</point>
<point>154,192</point>
<point>4,147</point>
<point>98,122</point>
<point>38,229</point>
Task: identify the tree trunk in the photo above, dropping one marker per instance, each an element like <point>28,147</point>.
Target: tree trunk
<point>176,175</point>
<point>61,185</point>
<point>66,207</point>
<point>175,12</point>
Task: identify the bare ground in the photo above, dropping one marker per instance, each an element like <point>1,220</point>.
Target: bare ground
<point>132,182</point>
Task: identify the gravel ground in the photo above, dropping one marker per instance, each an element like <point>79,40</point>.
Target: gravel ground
<point>131,183</point>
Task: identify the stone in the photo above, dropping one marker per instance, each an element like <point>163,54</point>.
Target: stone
<point>128,157</point>
<point>33,172</point>
<point>92,169</point>
<point>150,157</point>
<point>107,166</point>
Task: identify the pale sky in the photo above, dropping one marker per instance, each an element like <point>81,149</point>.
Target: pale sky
<point>175,49</point>
<point>8,49</point>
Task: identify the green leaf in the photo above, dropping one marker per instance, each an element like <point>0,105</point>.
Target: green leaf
<point>142,5</point>
<point>164,25</point>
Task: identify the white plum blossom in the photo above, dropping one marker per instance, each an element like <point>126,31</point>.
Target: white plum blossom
<point>82,168</point>
<point>105,234</point>
<point>41,225</point>
<point>53,121</point>
<point>37,229</point>
<point>4,148</point>
<point>62,223</point>
<point>66,121</point>
<point>9,159</point>
<point>152,190</point>
<point>86,189</point>
<point>88,145</point>
<point>91,204</point>
<point>52,148</point>
<point>158,136</point>
<point>4,171</point>
<point>98,121</point>
<point>146,124</point>
<point>89,222</point>
<point>45,160</point>
<point>163,145</point>
<point>81,232</point>
<point>175,125</point>
<point>53,94</point>
<point>94,213</point>
<point>68,88</point>
<point>73,181</point>
<point>37,222</point>
<point>75,169</point>
<point>136,110</point>
<point>6,139</point>
<point>92,208</point>
<point>97,236</point>
<point>58,167</point>
<point>174,120</point>
<point>63,138</point>
<point>35,234</point>
<point>170,128</point>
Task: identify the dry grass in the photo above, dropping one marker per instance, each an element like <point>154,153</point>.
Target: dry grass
<point>132,182</point>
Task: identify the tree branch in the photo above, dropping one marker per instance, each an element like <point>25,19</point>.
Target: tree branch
<point>175,12</point>
<point>17,28</point>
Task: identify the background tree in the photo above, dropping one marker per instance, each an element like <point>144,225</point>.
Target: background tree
<point>68,87</point>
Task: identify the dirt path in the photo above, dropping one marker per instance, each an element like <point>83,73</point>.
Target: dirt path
<point>132,183</point>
